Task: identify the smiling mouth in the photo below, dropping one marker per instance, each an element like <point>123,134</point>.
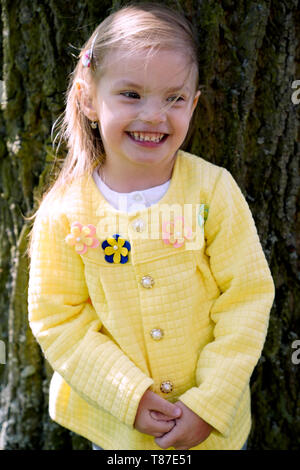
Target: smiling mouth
<point>155,137</point>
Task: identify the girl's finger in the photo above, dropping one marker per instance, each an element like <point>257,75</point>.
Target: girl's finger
<point>165,441</point>
<point>169,439</point>
<point>162,427</point>
<point>157,415</point>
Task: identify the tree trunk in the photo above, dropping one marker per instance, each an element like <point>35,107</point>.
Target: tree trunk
<point>246,121</point>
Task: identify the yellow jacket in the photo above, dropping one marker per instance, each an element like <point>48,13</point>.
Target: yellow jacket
<point>185,316</point>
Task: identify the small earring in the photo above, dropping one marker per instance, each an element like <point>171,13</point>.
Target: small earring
<point>94,124</point>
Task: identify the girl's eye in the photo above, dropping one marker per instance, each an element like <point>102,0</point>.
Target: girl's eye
<point>176,98</point>
<point>130,94</point>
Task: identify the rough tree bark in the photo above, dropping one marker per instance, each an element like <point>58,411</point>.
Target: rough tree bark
<point>246,121</point>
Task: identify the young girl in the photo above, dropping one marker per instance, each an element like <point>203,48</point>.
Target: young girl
<point>149,291</point>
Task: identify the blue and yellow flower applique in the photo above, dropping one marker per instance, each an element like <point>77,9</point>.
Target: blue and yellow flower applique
<point>116,249</point>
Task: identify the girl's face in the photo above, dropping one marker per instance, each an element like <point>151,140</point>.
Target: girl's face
<point>132,104</point>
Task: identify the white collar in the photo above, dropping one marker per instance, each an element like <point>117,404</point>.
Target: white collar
<point>133,201</point>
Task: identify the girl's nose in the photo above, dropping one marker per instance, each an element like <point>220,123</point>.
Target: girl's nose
<point>153,113</point>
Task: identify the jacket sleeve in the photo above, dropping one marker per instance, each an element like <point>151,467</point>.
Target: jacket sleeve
<point>240,314</point>
<point>68,328</point>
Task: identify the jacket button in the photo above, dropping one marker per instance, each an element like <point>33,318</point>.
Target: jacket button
<point>166,387</point>
<point>147,282</point>
<point>156,334</point>
<point>137,197</point>
<point>138,225</point>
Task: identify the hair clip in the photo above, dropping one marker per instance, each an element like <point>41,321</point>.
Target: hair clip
<point>87,58</point>
<point>88,55</point>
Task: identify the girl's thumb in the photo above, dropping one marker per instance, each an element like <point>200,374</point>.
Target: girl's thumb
<point>177,412</point>
<point>171,410</point>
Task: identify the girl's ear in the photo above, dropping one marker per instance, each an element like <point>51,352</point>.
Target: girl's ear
<point>85,100</point>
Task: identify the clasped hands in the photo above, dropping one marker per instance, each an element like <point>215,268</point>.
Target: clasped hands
<point>172,425</point>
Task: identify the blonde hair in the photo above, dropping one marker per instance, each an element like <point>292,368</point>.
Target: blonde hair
<point>131,28</point>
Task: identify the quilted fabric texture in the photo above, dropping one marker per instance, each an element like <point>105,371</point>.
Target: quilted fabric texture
<point>211,298</point>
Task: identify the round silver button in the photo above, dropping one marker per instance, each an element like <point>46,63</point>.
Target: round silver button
<point>147,282</point>
<point>138,225</point>
<point>166,387</point>
<point>156,334</point>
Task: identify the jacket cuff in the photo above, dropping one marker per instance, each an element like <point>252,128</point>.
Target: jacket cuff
<point>208,410</point>
<point>134,400</point>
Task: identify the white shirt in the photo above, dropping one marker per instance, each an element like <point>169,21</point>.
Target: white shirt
<point>133,201</point>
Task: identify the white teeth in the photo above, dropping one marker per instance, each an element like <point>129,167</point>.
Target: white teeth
<point>141,136</point>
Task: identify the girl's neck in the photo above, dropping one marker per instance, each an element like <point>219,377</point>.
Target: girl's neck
<point>126,180</point>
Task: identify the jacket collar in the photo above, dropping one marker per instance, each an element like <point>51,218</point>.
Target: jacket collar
<point>173,195</point>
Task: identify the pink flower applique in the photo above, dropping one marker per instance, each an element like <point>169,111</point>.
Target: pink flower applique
<point>82,237</point>
<point>175,233</point>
